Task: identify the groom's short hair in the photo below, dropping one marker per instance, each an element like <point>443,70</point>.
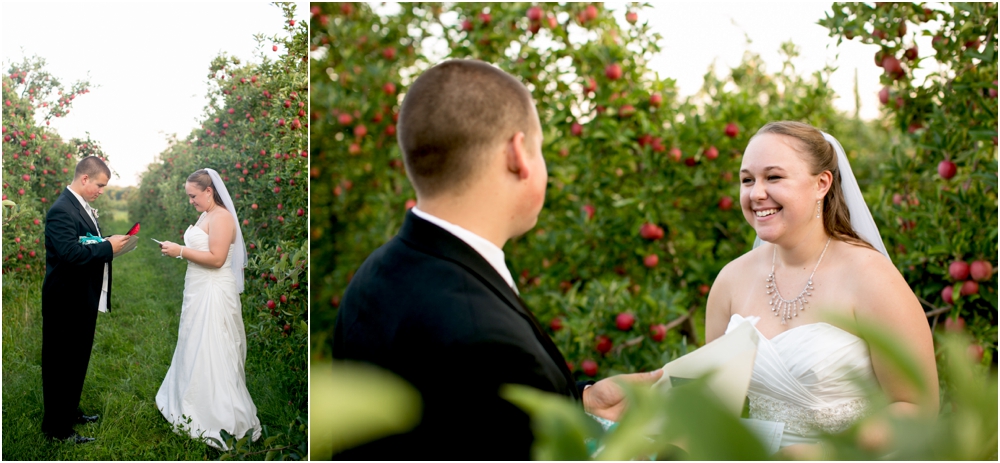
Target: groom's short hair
<point>452,115</point>
<point>91,166</point>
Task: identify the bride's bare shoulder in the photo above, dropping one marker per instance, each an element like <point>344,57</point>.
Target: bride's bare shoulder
<point>865,261</point>
<point>749,261</point>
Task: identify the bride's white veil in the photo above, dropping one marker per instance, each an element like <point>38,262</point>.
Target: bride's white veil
<point>861,217</point>
<point>239,247</point>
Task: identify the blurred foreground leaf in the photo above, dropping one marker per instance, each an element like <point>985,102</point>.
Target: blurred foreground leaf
<point>560,425</point>
<point>351,404</point>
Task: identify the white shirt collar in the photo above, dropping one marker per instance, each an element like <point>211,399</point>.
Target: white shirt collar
<point>86,205</point>
<point>493,255</point>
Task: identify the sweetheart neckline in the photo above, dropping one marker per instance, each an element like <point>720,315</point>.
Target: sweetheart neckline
<point>771,339</point>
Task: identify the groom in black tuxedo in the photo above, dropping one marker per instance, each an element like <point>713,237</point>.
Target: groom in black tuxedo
<point>437,304</point>
<point>77,285</point>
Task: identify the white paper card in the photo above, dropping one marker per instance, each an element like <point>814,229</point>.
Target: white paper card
<point>730,359</point>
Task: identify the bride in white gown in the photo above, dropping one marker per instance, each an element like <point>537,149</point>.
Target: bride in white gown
<point>818,253</point>
<point>205,389</point>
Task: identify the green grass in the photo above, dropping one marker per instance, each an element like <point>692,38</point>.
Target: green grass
<point>133,347</point>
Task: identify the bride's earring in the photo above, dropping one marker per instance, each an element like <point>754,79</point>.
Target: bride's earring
<point>819,207</point>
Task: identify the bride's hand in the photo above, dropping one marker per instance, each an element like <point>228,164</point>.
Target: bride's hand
<point>606,398</point>
<point>169,248</point>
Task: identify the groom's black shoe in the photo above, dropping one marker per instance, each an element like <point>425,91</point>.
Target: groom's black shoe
<point>85,419</point>
<point>78,439</point>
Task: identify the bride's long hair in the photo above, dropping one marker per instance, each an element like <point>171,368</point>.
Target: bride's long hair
<point>821,156</point>
<point>201,178</point>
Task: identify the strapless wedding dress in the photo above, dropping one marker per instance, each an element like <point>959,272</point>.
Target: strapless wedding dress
<point>205,388</point>
<point>813,378</point>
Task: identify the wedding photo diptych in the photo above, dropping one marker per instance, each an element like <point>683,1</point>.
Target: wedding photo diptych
<point>499,231</point>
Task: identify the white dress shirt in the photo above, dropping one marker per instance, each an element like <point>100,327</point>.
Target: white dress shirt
<point>485,248</point>
<point>103,304</point>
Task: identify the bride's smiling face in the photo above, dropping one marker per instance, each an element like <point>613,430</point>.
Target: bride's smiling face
<point>778,193</point>
<point>202,200</point>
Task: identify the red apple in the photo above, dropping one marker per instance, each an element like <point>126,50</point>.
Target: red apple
<point>703,289</point>
<point>360,130</point>
<point>624,321</point>
<point>270,304</point>
<point>959,270</point>
<point>711,153</point>
<point>389,88</point>
<point>300,212</point>
<point>344,119</point>
<point>675,154</point>
<point>274,48</point>
<point>993,91</point>
<point>651,260</point>
<point>389,53</point>
<point>556,324</point>
<point>590,86</point>
<point>969,287</point>
<point>911,53</point>
<point>947,169</point>
<point>576,129</point>
<point>892,67</point>
<point>613,71</point>
<point>626,110</point>
<point>485,18</point>
<point>466,25</point>
<point>883,95</point>
<point>604,344</point>
<point>659,332</point>
<point>589,209</point>
<point>731,130</point>
<point>655,100</point>
<point>726,203</point>
<point>534,13</point>
<point>981,270</point>
<point>650,231</point>
<point>956,325</point>
<point>283,299</point>
<point>975,352</point>
<point>631,17</point>
<point>589,367</point>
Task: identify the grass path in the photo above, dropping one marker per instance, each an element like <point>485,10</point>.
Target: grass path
<point>133,347</point>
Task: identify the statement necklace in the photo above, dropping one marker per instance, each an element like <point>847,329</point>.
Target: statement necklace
<point>786,308</point>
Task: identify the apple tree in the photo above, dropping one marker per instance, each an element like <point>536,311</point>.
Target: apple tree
<point>38,164</point>
<point>936,197</point>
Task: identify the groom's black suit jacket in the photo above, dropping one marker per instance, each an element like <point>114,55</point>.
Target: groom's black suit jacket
<point>71,293</point>
<point>429,308</point>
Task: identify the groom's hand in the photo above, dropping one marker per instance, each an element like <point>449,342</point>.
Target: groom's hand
<point>118,242</point>
<point>606,398</point>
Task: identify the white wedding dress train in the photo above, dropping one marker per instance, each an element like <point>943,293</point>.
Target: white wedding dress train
<point>813,378</point>
<point>205,389</point>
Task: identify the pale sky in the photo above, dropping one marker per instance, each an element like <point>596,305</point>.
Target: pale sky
<point>148,61</point>
<point>696,34</point>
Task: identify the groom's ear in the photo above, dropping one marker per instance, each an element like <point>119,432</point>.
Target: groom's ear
<point>516,155</point>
